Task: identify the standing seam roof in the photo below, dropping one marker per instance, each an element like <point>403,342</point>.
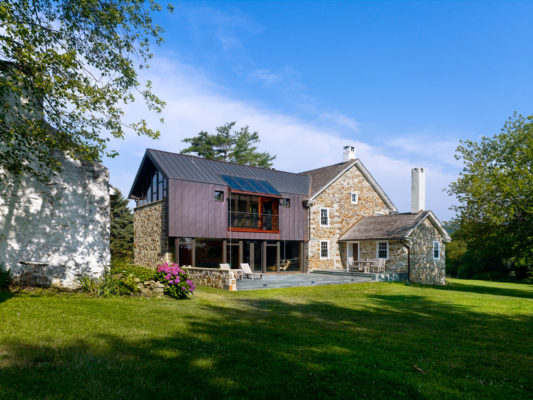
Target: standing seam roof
<point>197,169</point>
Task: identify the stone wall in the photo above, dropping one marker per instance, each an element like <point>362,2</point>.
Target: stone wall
<point>342,215</point>
<point>150,234</point>
<point>63,223</point>
<point>212,277</point>
<point>424,268</point>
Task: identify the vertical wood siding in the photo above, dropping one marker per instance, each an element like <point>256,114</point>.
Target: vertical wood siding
<point>194,212</point>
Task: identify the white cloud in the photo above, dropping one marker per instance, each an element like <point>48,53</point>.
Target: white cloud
<point>194,104</point>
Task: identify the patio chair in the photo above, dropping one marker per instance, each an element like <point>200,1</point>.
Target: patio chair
<point>381,265</point>
<point>247,271</point>
<point>226,267</point>
<point>285,265</point>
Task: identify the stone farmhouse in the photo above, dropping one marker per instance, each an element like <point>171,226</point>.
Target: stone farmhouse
<point>201,213</point>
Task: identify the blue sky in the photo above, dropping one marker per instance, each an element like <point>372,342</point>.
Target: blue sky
<point>403,81</point>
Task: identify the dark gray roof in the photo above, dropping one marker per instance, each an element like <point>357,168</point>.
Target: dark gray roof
<point>320,177</point>
<point>197,169</point>
<point>393,226</point>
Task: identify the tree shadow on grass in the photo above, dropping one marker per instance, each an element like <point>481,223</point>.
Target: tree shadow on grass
<point>525,292</point>
<point>5,295</point>
<point>268,348</point>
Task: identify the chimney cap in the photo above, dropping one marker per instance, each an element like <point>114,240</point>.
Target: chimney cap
<point>349,153</point>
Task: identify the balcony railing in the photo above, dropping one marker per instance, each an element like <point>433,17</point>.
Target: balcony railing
<point>264,222</point>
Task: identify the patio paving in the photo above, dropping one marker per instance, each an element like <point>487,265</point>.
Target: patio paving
<point>298,280</point>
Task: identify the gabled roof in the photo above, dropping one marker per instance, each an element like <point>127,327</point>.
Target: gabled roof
<point>392,227</point>
<point>198,169</point>
<point>322,178</point>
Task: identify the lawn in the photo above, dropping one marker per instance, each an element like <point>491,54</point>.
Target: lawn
<point>471,339</point>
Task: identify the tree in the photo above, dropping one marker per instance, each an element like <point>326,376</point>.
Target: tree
<point>225,145</point>
<point>495,195</point>
<point>66,69</point>
<point>121,228</point>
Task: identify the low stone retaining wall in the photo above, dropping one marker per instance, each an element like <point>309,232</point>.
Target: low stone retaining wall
<point>212,277</point>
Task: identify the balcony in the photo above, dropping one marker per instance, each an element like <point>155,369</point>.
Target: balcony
<point>253,222</point>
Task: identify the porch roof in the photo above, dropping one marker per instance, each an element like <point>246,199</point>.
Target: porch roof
<point>390,227</point>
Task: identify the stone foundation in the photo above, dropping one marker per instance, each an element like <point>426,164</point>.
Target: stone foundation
<point>212,277</point>
<point>150,235</point>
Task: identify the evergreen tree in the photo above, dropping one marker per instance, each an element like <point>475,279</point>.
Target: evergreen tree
<point>121,228</point>
<point>225,145</point>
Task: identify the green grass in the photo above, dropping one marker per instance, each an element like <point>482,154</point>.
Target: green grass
<point>471,339</point>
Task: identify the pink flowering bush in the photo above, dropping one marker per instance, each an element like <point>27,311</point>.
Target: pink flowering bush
<point>176,280</point>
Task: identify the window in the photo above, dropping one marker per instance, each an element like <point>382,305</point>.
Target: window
<point>324,217</point>
<point>354,197</point>
<point>285,203</point>
<point>383,250</point>
<point>436,249</point>
<point>324,249</point>
<point>219,195</point>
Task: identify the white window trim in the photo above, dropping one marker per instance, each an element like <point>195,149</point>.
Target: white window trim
<point>433,249</point>
<point>377,248</point>
<point>320,249</point>
<point>356,197</point>
<point>327,212</point>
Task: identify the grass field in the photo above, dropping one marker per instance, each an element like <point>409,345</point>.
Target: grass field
<point>471,339</point>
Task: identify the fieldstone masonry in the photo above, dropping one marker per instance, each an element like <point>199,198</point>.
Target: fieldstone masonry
<point>63,223</point>
<point>424,268</point>
<point>342,215</point>
<point>150,233</point>
<point>212,277</point>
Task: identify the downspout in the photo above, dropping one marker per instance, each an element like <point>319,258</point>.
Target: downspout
<point>408,259</point>
<point>308,204</point>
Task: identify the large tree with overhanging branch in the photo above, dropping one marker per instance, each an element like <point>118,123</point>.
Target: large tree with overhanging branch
<point>231,145</point>
<point>495,195</point>
<point>68,67</point>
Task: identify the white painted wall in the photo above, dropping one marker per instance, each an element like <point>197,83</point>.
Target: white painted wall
<point>64,222</point>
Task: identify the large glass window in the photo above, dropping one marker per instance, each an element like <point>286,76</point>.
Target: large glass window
<point>157,190</point>
<point>185,251</point>
<point>253,212</point>
<point>208,253</point>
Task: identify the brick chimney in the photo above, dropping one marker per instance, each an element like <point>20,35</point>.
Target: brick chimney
<point>418,189</point>
<point>349,153</point>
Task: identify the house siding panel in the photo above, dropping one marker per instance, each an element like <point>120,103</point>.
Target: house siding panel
<point>194,212</point>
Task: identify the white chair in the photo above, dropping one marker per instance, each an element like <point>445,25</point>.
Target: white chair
<point>237,272</point>
<point>247,271</point>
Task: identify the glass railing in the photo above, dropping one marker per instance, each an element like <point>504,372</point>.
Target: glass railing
<point>265,222</point>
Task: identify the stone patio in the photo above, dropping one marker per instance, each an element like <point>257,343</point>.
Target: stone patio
<point>299,280</point>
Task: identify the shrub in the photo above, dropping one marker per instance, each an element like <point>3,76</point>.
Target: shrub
<point>5,278</point>
<point>176,281</point>
<point>106,285</point>
<point>137,271</point>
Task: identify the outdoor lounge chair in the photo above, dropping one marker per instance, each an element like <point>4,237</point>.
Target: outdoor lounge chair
<point>285,265</point>
<point>247,271</point>
<point>226,267</point>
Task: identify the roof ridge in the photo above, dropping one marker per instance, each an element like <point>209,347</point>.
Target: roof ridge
<point>224,162</point>
<point>327,166</point>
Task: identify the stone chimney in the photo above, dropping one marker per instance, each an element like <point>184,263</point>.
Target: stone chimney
<point>418,189</point>
<point>349,153</point>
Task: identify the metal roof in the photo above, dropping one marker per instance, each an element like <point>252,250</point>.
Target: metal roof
<point>197,169</point>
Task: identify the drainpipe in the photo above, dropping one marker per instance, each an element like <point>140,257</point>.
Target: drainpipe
<point>408,259</point>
